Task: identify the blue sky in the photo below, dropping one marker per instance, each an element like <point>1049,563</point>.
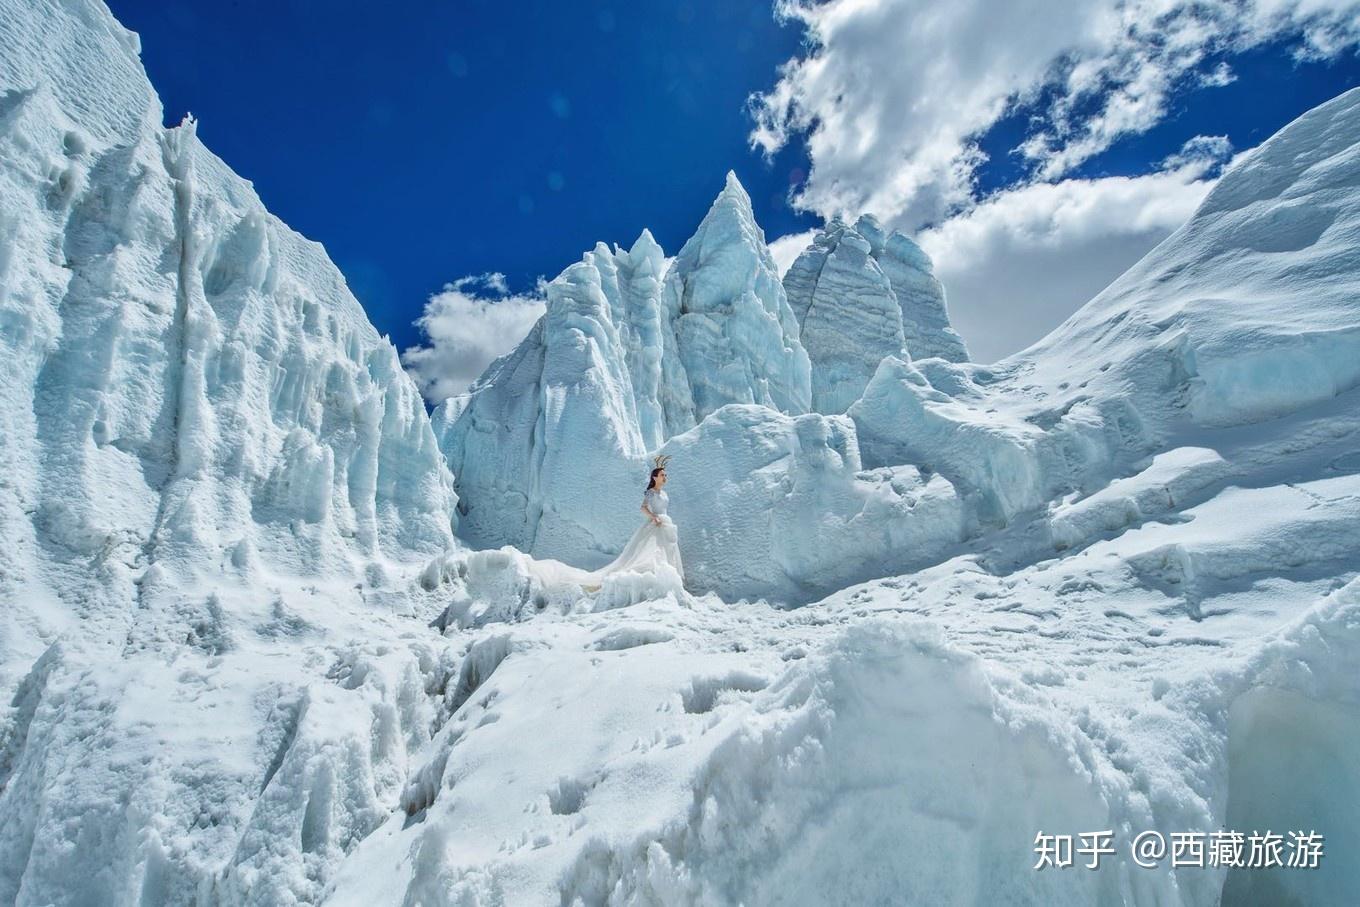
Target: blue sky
<point>424,142</point>
<point>1032,148</point>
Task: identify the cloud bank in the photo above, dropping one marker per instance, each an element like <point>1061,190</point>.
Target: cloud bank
<point>467,326</point>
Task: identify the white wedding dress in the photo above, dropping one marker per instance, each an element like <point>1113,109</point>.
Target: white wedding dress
<point>653,549</point>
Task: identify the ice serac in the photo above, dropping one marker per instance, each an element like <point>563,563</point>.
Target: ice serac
<point>849,315</point>
<point>549,445</point>
<point>172,346</point>
<point>925,318</point>
<point>633,282</point>
<point>736,335</point>
<point>550,425</point>
<point>198,420</point>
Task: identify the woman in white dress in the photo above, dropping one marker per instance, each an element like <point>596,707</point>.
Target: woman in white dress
<point>654,547</point>
<point>656,542</point>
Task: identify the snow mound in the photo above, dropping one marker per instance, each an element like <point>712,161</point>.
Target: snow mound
<point>781,506</point>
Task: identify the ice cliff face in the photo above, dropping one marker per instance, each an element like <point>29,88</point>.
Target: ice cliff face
<point>735,332</point>
<point>190,395</point>
<point>861,294</point>
<point>173,346</point>
<point>849,314</point>
<point>550,446</point>
<point>925,320</point>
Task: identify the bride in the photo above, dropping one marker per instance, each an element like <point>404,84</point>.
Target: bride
<point>654,547</point>
<point>656,541</point>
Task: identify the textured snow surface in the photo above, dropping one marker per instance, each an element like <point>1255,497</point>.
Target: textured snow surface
<point>1110,582</point>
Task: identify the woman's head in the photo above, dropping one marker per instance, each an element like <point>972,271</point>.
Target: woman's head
<point>658,477</point>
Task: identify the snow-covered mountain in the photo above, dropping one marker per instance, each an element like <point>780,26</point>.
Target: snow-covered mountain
<point>1108,583</point>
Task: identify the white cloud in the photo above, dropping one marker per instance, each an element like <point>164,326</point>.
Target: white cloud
<point>467,326</point>
<point>1203,152</point>
<point>892,98</point>
<point>1019,263</point>
<point>787,248</point>
<point>893,95</point>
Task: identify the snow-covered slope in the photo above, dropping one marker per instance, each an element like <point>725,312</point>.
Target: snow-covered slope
<point>1256,294</point>
<point>1116,575</point>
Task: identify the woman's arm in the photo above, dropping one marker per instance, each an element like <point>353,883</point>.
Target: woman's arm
<point>651,516</point>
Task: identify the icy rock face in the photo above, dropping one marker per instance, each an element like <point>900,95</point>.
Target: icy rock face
<point>550,425</point>
<point>209,456</point>
<point>736,335</point>
<point>925,320</point>
<point>860,295</point>
<point>186,377</point>
<point>549,446</point>
<point>849,314</point>
<point>632,282</point>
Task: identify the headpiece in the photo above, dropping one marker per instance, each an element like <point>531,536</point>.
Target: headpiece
<point>660,461</point>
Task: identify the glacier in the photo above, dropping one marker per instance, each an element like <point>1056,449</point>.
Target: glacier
<point>272,635</point>
<point>862,294</point>
<point>547,446</point>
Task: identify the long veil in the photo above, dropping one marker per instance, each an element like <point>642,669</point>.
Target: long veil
<point>653,549</point>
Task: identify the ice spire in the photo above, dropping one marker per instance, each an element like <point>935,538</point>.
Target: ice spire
<point>736,335</point>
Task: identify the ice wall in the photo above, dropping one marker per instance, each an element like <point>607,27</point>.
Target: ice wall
<point>210,461</point>
<point>860,294</point>
<point>735,332</point>
<point>187,379</point>
<point>925,318</point>
<point>849,315</point>
<point>550,445</point>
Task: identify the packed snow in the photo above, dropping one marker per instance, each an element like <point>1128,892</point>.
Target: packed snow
<point>270,635</point>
